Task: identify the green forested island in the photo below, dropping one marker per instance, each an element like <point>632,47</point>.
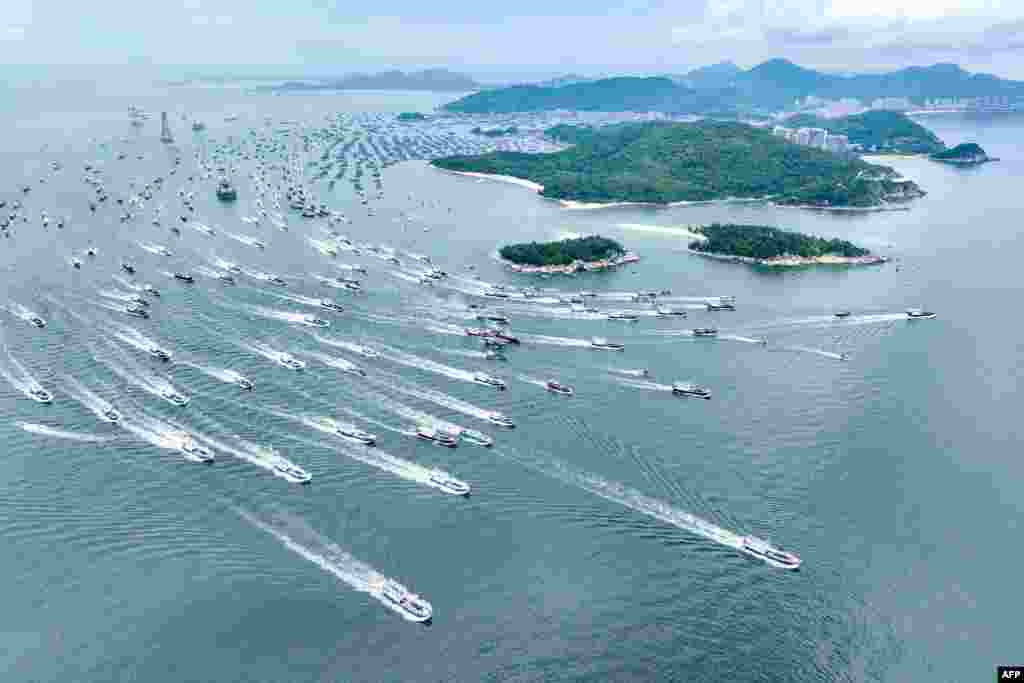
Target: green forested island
<point>662,162</point>
<point>562,252</point>
<point>765,242</point>
<point>964,154</point>
<point>879,131</point>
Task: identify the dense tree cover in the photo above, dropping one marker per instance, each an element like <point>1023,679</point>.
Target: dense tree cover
<point>881,130</point>
<point>411,116</point>
<point>668,162</point>
<point>964,151</point>
<point>762,242</point>
<point>563,252</point>
<point>494,132</point>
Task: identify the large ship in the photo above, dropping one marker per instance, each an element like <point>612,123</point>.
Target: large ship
<point>602,343</point>
<point>919,314</point>
<point>40,395</point>
<point>500,420</point>
<point>226,192</point>
<point>196,453</point>
<point>448,483</point>
<point>705,332</point>
<point>773,555</point>
<point>410,605</point>
<point>558,388</point>
<point>290,362</point>
<point>440,437</point>
<point>478,438</point>
<point>174,398</point>
<point>158,353</point>
<point>291,472</point>
<point>691,390</point>
<point>349,432</point>
<point>488,380</point>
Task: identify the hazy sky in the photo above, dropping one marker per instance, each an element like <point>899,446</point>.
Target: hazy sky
<point>543,36</point>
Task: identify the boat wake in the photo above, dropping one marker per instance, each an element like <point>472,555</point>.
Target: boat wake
<point>371,456</point>
<point>630,498</point>
<point>628,372</point>
<point>430,395</point>
<point>19,311</point>
<point>43,430</point>
<point>329,556</point>
<point>818,352</point>
<point>555,341</point>
<point>336,362</point>
<point>643,384</point>
<point>244,239</point>
<point>409,360</point>
<point>88,398</point>
<point>18,376</point>
<point>223,374</point>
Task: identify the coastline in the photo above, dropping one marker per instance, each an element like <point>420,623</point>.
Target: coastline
<point>522,182</point>
<point>575,205</point>
<point>796,261</point>
<point>574,267</point>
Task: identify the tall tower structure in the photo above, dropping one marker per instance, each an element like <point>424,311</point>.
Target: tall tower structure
<point>165,129</point>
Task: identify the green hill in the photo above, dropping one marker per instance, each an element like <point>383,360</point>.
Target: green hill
<point>723,88</point>
<point>764,242</point>
<point>608,94</point>
<point>876,130</point>
<point>669,162</point>
<point>562,252</point>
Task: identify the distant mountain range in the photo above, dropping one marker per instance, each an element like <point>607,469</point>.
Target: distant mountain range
<point>771,86</point>
<point>428,79</point>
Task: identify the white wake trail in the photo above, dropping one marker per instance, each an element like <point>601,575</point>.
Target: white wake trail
<point>43,430</point>
<point>632,499</point>
<point>328,556</point>
<point>432,396</point>
<point>409,360</point>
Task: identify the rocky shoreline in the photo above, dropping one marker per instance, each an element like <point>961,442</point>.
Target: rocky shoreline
<point>575,266</point>
<point>797,261</point>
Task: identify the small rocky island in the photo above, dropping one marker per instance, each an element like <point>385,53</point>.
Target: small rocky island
<point>767,246</point>
<point>964,154</point>
<point>566,256</point>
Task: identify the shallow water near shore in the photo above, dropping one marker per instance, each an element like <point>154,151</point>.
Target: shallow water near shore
<point>895,474</point>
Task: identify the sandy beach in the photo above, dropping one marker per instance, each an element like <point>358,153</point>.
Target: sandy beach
<point>536,187</point>
<point>675,231</point>
<point>797,261</point>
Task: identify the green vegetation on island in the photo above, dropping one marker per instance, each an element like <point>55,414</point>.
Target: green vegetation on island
<point>659,162</point>
<point>876,131</point>
<point>411,116</point>
<point>964,154</point>
<point>562,252</point>
<point>764,242</point>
